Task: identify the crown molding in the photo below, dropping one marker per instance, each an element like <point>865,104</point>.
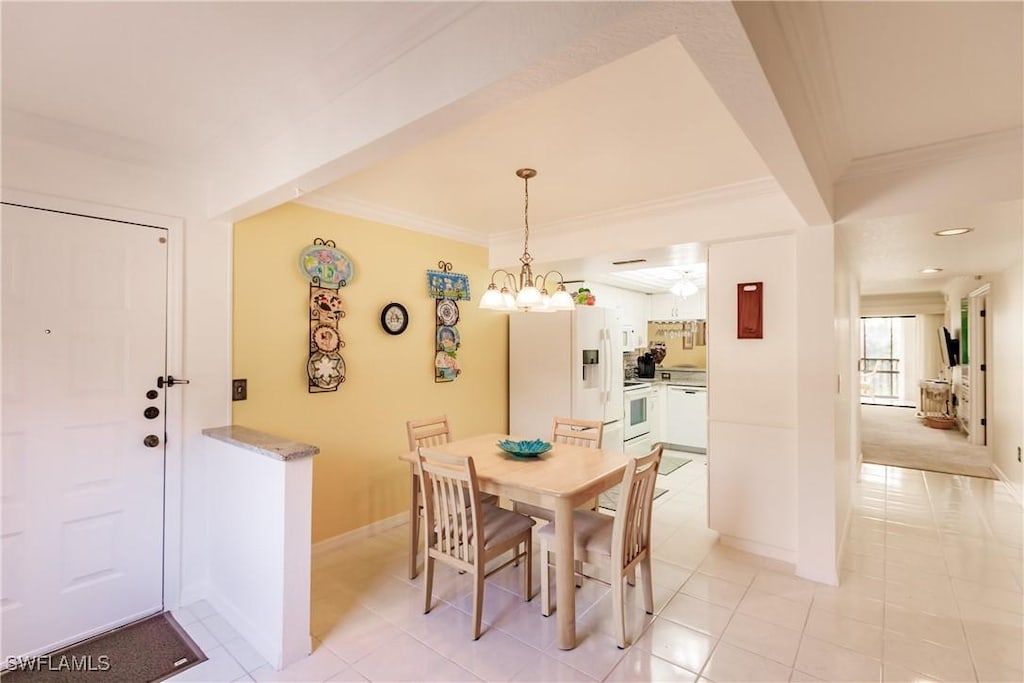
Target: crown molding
<point>806,35</point>
<point>703,199</point>
<point>383,214</point>
<point>996,142</point>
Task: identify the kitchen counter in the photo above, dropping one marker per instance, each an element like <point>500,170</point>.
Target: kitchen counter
<point>696,377</point>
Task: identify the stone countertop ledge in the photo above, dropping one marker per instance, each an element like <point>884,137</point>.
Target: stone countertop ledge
<point>260,442</point>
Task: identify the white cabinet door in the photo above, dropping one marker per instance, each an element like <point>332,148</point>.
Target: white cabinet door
<point>654,415</point>
<point>693,307</point>
<point>659,411</point>
<point>663,307</point>
<point>687,417</point>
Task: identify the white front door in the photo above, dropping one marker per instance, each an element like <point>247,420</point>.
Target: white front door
<point>84,340</point>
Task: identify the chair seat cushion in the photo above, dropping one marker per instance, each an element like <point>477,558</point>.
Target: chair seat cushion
<point>501,524</point>
<point>592,532</point>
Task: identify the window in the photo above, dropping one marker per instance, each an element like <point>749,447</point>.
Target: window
<point>881,351</point>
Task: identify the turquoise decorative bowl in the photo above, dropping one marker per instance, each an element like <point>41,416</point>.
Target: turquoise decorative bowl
<point>524,449</point>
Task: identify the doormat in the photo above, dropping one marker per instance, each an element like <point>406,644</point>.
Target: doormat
<point>149,650</point>
<point>610,498</point>
<point>671,463</point>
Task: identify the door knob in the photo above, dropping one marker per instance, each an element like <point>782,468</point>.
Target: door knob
<point>151,441</point>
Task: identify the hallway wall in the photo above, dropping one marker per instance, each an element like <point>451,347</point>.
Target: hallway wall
<point>1005,407</point>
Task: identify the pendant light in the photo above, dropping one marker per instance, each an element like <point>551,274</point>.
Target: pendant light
<point>684,287</point>
<point>527,293</point>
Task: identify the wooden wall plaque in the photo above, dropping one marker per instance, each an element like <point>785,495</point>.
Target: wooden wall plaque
<point>749,310</point>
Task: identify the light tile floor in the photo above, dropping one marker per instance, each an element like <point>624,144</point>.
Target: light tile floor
<point>931,589</point>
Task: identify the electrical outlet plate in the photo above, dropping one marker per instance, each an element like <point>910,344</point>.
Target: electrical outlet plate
<point>239,389</point>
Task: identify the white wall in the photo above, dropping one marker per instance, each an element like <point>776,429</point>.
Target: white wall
<point>752,399</point>
<point>205,299</point>
<point>1005,409</point>
<point>819,382</point>
<point>847,403</point>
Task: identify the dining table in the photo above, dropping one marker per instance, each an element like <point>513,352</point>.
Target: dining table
<point>560,479</point>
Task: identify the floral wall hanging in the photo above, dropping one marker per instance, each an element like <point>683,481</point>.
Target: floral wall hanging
<point>328,269</point>
<point>447,289</point>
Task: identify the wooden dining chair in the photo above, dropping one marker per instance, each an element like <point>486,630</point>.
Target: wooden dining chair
<point>433,431</point>
<point>467,533</point>
<point>586,433</point>
<point>622,541</point>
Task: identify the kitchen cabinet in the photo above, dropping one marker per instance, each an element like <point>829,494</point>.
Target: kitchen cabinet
<point>667,306</point>
<point>658,408</point>
<point>687,418</point>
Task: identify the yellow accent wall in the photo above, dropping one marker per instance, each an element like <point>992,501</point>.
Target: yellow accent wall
<point>360,429</point>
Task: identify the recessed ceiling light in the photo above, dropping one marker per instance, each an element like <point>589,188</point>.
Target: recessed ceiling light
<point>952,232</point>
<point>931,270</point>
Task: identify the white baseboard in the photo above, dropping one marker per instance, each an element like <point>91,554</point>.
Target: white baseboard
<point>1014,490</point>
<point>756,548</point>
<point>371,529</point>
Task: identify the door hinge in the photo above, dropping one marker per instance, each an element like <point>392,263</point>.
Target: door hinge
<point>169,381</point>
<point>983,367</point>
<point>984,423</point>
<point>983,313</point>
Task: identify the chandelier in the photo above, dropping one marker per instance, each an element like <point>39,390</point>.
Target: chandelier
<point>684,287</point>
<point>527,293</point>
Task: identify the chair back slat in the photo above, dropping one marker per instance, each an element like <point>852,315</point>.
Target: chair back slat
<point>631,533</point>
<point>585,433</point>
<point>451,504</point>
<point>430,432</point>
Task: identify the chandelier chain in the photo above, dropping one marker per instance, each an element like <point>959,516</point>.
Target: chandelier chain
<point>526,258</point>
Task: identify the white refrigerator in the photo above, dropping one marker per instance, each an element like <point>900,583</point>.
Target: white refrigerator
<point>565,364</point>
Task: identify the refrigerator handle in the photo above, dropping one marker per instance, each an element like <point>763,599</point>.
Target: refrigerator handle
<point>606,388</point>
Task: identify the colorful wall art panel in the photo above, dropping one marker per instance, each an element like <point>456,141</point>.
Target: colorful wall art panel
<point>328,270</point>
<point>447,288</point>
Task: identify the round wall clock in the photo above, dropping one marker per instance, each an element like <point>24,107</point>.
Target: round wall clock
<point>394,318</point>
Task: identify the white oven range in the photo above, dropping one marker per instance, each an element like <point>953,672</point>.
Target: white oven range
<point>636,418</point>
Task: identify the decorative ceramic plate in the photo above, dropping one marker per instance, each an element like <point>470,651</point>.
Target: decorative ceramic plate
<point>447,312</point>
<point>326,338</point>
<point>326,370</point>
<point>325,304</point>
<point>524,449</point>
<point>327,263</point>
<point>447,338</point>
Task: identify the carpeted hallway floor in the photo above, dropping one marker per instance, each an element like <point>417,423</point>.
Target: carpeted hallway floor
<point>894,436</point>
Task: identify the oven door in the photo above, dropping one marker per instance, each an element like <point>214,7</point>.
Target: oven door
<point>636,420</point>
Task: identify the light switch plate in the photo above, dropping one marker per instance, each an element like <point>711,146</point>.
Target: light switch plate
<point>239,389</point>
